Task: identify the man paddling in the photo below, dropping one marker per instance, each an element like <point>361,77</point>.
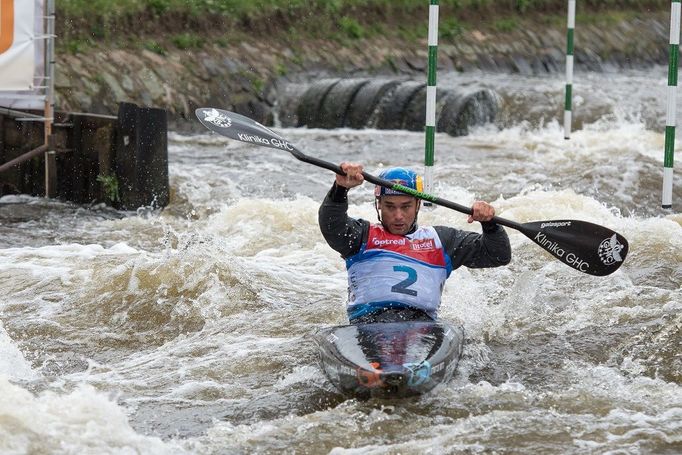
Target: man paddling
<point>397,269</point>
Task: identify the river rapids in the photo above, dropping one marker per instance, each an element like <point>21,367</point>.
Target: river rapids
<point>187,330</point>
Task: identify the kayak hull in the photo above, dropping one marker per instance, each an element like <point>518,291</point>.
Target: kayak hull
<point>390,359</point>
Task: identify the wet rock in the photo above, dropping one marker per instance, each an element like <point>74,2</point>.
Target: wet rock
<point>462,110</point>
<point>232,66</point>
<point>256,110</point>
<point>212,67</point>
<point>313,98</point>
<point>366,102</point>
<point>116,90</point>
<point>392,109</point>
<point>62,80</point>
<point>414,116</point>
<point>152,84</point>
<point>334,109</point>
<point>522,66</point>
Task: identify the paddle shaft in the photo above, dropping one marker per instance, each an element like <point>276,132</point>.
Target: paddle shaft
<point>584,246</point>
<point>388,184</point>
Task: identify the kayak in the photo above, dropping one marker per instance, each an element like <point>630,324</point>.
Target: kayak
<point>389,359</point>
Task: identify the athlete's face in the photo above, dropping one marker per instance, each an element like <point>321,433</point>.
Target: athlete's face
<point>398,213</point>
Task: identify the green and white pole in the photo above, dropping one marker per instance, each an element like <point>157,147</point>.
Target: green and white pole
<point>430,124</point>
<point>673,61</point>
<point>568,103</point>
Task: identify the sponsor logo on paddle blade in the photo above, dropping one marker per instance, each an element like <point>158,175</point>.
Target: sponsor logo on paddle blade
<point>217,118</point>
<point>609,250</point>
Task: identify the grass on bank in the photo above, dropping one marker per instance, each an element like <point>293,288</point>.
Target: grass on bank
<point>240,9</point>
<point>161,25</point>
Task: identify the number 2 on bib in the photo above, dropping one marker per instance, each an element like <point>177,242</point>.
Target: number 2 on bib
<point>402,287</point>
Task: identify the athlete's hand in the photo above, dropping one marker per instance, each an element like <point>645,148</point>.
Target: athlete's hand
<point>482,212</point>
<point>353,175</point>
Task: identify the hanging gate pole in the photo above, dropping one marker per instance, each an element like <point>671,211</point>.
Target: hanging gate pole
<point>568,103</point>
<point>673,62</point>
<point>50,154</point>
<point>430,123</point>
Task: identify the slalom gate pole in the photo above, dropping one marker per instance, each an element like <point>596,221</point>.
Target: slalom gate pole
<point>50,154</point>
<point>673,62</point>
<point>568,103</point>
<point>430,123</point>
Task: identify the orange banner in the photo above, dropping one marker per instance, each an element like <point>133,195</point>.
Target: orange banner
<point>21,46</point>
<point>6,24</point>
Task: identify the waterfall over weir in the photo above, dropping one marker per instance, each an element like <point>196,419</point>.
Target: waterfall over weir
<point>388,104</point>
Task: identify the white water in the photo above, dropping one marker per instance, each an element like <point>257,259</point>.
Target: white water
<point>187,330</point>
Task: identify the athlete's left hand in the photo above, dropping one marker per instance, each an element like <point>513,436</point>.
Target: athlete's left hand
<point>482,212</point>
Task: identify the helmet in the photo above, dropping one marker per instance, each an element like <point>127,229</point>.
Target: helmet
<point>402,176</point>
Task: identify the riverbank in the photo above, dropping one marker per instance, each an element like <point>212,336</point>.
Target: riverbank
<point>247,72</point>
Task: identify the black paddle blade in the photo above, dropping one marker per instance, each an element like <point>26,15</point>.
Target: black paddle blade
<point>587,247</point>
<point>238,127</point>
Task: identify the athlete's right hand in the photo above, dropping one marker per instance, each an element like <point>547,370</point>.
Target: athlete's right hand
<point>353,175</point>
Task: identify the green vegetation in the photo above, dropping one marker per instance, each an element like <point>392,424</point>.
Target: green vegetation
<point>187,41</point>
<point>352,28</point>
<point>240,9</point>
<point>450,28</point>
<point>222,41</point>
<point>154,46</point>
<point>508,24</point>
<point>109,187</point>
<point>258,85</point>
<point>158,25</point>
<point>75,45</point>
<point>281,69</point>
<point>413,32</point>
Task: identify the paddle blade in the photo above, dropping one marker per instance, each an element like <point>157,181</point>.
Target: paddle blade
<point>240,128</point>
<point>586,247</point>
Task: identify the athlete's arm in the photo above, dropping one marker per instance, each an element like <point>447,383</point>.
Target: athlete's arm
<point>343,233</point>
<point>470,249</point>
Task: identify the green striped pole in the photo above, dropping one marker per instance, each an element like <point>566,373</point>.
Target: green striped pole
<point>430,124</point>
<point>667,199</point>
<point>568,103</point>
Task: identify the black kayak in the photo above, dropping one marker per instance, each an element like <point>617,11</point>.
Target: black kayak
<point>390,359</point>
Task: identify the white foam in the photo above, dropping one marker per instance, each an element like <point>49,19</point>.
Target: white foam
<point>13,365</point>
<point>68,263</point>
<point>82,421</point>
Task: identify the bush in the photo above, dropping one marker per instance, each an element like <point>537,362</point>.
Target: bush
<point>352,28</point>
<point>187,41</point>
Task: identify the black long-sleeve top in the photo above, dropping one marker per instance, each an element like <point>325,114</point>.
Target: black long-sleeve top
<point>346,235</point>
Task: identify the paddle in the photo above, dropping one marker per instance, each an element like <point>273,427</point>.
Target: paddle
<point>586,247</point>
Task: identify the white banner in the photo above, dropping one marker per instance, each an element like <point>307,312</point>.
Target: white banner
<point>17,52</point>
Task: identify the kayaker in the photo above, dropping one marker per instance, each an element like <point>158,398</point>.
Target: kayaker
<point>396,268</point>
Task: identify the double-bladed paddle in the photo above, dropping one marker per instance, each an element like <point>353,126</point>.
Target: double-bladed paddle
<point>586,247</point>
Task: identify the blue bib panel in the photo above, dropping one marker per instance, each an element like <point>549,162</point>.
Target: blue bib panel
<point>397,271</point>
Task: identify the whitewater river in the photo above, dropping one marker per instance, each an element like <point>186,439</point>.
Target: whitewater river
<point>187,330</point>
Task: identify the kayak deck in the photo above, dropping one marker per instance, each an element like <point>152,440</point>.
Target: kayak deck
<point>390,359</point>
